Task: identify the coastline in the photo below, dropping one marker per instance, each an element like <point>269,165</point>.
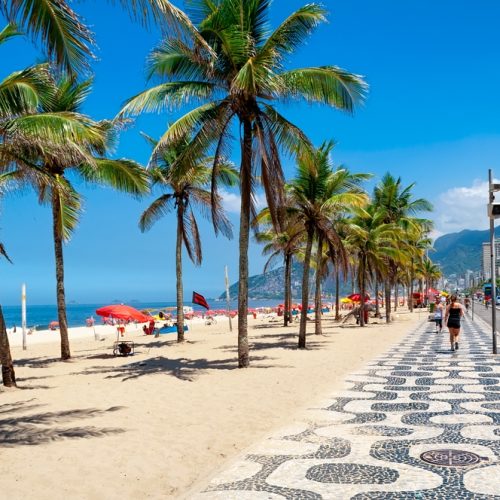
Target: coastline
<point>163,421</point>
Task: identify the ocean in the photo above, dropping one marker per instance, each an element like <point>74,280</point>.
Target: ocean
<point>39,317</point>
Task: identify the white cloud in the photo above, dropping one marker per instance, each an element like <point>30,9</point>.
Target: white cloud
<point>232,201</point>
<point>462,208</point>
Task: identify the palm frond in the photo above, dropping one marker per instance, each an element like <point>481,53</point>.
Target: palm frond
<point>191,238</point>
<point>325,85</point>
<point>58,128</point>
<point>159,208</point>
<point>169,17</point>
<point>66,39</point>
<point>10,31</point>
<point>22,91</point>
<point>68,206</point>
<point>123,175</point>
<point>167,96</point>
<point>3,252</point>
<point>293,31</point>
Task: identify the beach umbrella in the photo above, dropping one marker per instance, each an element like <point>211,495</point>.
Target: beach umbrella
<point>345,300</point>
<point>356,297</point>
<point>122,311</point>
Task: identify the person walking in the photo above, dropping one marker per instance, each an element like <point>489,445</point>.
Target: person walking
<point>438,316</point>
<point>454,312</point>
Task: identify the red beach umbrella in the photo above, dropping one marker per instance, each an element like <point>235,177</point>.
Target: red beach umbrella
<point>356,297</point>
<point>122,311</point>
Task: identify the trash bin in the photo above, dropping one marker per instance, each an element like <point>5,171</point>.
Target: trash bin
<point>431,307</point>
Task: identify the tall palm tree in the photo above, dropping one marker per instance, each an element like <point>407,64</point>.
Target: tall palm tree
<point>319,192</point>
<point>284,243</point>
<point>8,373</point>
<point>402,209</point>
<point>20,92</point>
<point>44,147</point>
<point>188,189</point>
<point>66,39</point>
<point>243,78</point>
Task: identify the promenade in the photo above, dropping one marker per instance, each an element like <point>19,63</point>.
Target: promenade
<point>420,422</point>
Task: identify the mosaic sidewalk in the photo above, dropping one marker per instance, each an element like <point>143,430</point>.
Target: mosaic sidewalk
<point>419,401</point>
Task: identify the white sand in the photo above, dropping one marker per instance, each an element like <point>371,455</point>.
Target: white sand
<point>155,424</point>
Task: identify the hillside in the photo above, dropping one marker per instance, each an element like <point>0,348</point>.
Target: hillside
<point>457,252</point>
<point>272,285</point>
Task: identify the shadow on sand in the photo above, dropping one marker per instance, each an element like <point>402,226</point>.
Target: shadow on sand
<point>281,340</point>
<point>181,368</point>
<point>17,428</point>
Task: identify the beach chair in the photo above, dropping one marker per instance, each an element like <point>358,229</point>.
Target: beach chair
<point>123,348</point>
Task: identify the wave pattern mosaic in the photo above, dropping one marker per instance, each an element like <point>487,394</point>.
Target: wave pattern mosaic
<point>421,422</point>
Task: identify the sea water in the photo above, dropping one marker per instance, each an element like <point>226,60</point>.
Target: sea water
<point>39,317</point>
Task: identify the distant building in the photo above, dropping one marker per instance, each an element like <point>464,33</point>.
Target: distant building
<point>469,278</point>
<point>486,259</point>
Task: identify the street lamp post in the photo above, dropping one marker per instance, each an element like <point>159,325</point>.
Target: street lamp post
<point>493,213</point>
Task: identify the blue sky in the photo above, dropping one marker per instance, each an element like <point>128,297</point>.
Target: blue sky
<point>431,117</point>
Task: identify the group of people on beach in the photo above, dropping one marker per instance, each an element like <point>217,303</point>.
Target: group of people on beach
<point>451,310</point>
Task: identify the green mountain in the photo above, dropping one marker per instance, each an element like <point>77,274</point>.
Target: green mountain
<point>457,252</point>
<point>271,285</point>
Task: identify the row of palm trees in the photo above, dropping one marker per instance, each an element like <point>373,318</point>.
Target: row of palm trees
<point>381,239</point>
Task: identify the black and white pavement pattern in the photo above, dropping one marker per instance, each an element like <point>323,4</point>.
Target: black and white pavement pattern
<point>366,442</point>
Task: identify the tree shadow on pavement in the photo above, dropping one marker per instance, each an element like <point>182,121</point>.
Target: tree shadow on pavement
<point>181,368</point>
<point>41,428</point>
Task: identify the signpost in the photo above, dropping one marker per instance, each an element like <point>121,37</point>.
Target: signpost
<point>493,213</point>
<point>23,314</point>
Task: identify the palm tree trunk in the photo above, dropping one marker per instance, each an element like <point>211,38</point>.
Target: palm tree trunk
<point>245,188</point>
<point>396,296</point>
<point>337,293</point>
<point>60,293</point>
<point>8,374</point>
<point>317,293</point>
<point>410,289</point>
<point>178,272</point>
<point>387,289</point>
<point>305,289</point>
<point>290,298</point>
<point>288,280</point>
<point>377,305</point>
<point>362,290</point>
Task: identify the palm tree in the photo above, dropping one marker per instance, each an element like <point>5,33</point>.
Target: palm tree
<point>284,243</point>
<point>375,242</point>
<point>187,188</point>
<point>319,192</point>
<point>242,78</point>
<point>8,374</point>
<point>401,209</point>
<point>43,147</point>
<point>65,37</point>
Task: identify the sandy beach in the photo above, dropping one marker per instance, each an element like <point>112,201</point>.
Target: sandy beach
<point>158,423</point>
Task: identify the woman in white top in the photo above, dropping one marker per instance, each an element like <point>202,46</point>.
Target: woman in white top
<point>438,316</point>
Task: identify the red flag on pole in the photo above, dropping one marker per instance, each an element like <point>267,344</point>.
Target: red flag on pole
<point>200,300</point>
